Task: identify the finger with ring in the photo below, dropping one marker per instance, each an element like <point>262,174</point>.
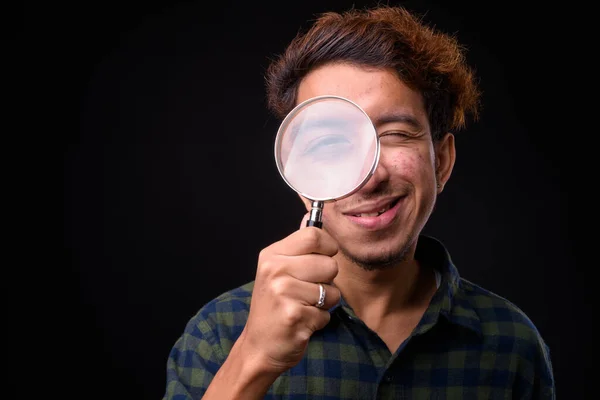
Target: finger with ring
<point>322,294</point>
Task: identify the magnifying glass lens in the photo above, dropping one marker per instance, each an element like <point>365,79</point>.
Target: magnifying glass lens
<point>326,148</point>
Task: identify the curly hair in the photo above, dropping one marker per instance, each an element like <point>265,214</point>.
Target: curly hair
<point>428,61</point>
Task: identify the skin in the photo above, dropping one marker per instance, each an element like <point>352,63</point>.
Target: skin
<point>368,259</point>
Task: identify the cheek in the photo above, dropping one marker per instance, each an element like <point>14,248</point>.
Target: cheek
<point>411,163</point>
<point>328,209</point>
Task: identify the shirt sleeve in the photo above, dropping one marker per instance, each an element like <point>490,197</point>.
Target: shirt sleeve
<point>193,361</point>
<point>543,387</point>
<point>534,378</point>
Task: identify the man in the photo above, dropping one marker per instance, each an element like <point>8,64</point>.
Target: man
<point>368,307</point>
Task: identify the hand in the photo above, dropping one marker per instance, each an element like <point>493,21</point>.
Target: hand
<point>283,312</point>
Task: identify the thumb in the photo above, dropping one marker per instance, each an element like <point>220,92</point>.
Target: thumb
<point>304,220</point>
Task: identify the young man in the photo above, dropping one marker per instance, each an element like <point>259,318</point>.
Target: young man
<point>395,320</point>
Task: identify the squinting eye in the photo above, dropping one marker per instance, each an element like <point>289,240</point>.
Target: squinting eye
<point>401,134</point>
<point>329,144</point>
<point>394,137</point>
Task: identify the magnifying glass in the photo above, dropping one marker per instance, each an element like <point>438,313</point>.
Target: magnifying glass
<point>326,149</point>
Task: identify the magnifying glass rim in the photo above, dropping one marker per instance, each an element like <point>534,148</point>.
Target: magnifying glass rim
<point>286,122</point>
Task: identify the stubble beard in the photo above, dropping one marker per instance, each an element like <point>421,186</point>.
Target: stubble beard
<point>383,261</point>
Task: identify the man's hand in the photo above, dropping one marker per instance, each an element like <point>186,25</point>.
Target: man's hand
<point>283,313</point>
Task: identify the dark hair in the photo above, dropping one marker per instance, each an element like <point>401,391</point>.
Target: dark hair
<point>428,61</point>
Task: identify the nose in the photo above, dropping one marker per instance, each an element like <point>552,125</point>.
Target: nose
<point>381,174</point>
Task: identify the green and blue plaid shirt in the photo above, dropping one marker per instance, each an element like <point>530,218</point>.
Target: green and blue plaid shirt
<point>469,344</point>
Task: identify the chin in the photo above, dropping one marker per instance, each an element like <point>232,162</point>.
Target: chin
<point>378,260</point>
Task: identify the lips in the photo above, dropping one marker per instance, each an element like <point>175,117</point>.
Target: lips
<point>375,216</point>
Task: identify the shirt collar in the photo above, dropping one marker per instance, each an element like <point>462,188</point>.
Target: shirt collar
<point>450,300</point>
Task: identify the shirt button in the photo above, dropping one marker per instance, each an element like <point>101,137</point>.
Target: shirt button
<point>389,378</point>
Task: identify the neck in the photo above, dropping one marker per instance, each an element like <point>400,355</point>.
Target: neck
<point>395,290</point>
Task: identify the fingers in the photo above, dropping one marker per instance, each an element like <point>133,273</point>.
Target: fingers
<point>316,318</point>
<point>306,293</point>
<point>303,320</point>
<point>306,241</point>
<point>306,254</point>
<point>331,296</point>
<point>310,267</point>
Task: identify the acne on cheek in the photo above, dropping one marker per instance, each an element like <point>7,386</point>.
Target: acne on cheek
<point>411,162</point>
<point>406,162</point>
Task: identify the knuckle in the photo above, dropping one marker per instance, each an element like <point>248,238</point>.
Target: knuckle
<point>271,266</point>
<point>303,335</point>
<point>279,287</point>
<point>335,293</point>
<point>334,248</point>
<point>291,315</point>
<point>263,255</point>
<point>312,238</point>
<point>332,266</point>
<point>326,319</point>
<point>329,243</point>
<point>265,266</point>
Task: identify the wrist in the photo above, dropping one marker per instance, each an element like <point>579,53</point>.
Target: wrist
<point>244,374</point>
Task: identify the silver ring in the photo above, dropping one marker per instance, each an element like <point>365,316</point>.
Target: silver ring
<point>322,293</point>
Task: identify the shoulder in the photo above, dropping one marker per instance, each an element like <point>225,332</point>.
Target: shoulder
<point>497,315</point>
<point>223,318</point>
<point>233,301</point>
<point>505,327</point>
<point>206,341</point>
<point>510,339</point>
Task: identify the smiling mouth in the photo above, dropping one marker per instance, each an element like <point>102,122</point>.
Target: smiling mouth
<point>378,213</point>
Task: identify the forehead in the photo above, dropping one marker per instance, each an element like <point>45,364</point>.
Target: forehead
<point>377,91</point>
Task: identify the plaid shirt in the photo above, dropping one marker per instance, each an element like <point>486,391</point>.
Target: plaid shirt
<point>469,344</point>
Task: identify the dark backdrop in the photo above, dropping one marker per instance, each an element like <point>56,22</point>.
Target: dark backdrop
<point>171,188</point>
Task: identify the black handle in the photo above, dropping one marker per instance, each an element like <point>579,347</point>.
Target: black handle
<point>317,224</point>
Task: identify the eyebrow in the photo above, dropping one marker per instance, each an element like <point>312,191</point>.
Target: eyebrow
<point>398,117</point>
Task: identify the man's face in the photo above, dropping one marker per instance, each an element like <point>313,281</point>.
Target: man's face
<point>377,226</point>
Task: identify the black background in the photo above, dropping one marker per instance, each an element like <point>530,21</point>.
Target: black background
<point>170,186</point>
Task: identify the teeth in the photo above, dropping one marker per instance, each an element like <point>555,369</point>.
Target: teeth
<point>368,214</point>
<point>375,214</point>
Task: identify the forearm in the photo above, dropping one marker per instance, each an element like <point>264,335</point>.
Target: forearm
<point>241,377</point>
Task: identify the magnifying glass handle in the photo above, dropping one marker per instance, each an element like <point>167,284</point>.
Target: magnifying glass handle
<point>316,215</point>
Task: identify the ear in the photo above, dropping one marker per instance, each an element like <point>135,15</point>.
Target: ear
<point>445,156</point>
